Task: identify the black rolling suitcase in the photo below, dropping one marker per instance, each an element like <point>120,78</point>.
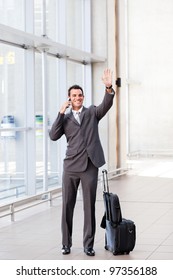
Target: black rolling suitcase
<point>120,235</point>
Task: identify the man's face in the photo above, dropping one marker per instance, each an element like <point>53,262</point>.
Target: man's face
<point>77,98</point>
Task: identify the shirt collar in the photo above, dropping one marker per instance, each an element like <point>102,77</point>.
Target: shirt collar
<point>79,111</point>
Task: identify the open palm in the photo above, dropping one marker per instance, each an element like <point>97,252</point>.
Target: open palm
<point>107,77</point>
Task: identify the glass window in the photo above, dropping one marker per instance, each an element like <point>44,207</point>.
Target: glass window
<point>28,95</point>
<point>38,17</point>
<point>49,20</point>
<point>12,13</point>
<point>52,100</point>
<point>12,117</point>
<point>39,121</point>
<point>74,74</point>
<point>54,156</point>
<point>75,23</point>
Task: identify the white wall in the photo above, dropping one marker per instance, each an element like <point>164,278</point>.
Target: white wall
<point>145,60</point>
<point>150,45</point>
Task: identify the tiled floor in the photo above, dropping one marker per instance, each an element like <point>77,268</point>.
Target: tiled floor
<point>147,199</point>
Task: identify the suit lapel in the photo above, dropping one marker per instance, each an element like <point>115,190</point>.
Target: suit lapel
<point>70,116</point>
<point>82,114</point>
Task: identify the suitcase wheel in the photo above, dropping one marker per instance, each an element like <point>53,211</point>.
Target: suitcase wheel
<point>106,247</point>
<point>115,253</point>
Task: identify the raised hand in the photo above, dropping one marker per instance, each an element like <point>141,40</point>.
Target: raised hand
<point>107,77</point>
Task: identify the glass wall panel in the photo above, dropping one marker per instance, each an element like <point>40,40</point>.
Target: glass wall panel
<point>54,96</point>
<point>74,74</point>
<point>12,117</point>
<point>74,21</point>
<point>12,13</point>
<point>28,95</point>
<point>39,121</point>
<point>50,18</point>
<point>52,103</point>
<point>74,14</point>
<point>38,17</point>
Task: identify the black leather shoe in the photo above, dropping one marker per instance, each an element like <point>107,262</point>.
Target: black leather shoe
<point>66,250</point>
<point>89,252</point>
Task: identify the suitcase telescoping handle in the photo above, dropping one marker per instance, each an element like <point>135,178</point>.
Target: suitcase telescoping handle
<point>106,190</point>
<point>105,180</point>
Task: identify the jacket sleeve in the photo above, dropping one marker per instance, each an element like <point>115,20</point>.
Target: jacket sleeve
<point>106,104</point>
<point>57,129</point>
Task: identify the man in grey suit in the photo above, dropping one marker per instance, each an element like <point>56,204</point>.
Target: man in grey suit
<point>84,156</point>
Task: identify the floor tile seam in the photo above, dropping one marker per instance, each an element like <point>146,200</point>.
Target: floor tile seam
<point>151,224</point>
<point>159,245</point>
<point>163,215</point>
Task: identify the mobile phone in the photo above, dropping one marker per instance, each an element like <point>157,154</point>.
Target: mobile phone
<point>69,106</point>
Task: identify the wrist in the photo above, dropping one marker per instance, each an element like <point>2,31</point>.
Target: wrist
<point>62,111</point>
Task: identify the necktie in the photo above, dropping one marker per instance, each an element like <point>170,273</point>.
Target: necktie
<point>78,117</point>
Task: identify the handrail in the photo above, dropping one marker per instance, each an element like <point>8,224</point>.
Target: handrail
<point>15,128</point>
<point>21,204</point>
<point>118,172</point>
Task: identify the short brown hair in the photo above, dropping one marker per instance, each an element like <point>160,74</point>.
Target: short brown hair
<point>75,87</point>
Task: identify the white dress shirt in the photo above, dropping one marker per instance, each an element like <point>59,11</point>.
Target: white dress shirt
<point>76,114</point>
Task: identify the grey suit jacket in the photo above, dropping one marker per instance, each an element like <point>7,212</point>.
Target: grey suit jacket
<point>82,139</point>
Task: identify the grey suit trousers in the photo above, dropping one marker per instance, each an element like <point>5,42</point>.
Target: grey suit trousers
<point>71,180</point>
